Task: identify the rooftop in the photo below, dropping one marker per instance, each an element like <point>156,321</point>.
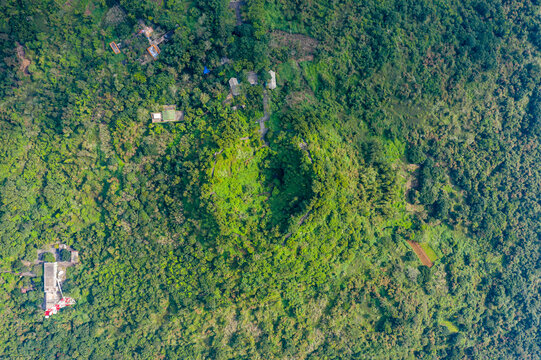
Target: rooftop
<point>114,46</point>
<point>50,285</point>
<point>153,50</point>
<point>271,84</point>
<point>49,276</point>
<point>234,84</point>
<point>156,117</point>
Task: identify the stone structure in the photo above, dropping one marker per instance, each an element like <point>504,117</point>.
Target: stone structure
<point>50,284</point>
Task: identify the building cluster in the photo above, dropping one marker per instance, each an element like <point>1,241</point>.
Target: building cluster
<point>52,274</point>
<point>251,77</point>
<point>153,41</point>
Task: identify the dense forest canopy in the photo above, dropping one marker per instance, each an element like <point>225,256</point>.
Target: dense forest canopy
<point>279,223</point>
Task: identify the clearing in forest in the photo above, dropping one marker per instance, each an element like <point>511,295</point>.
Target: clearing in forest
<point>425,259</point>
<point>450,326</point>
<point>301,47</point>
<point>21,55</point>
<point>238,190</point>
<point>429,251</point>
<point>235,6</point>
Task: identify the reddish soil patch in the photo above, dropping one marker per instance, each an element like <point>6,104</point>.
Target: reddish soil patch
<point>420,253</point>
<point>24,61</point>
<point>89,8</point>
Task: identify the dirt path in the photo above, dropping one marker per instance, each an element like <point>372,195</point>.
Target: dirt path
<point>74,260</point>
<point>266,115</point>
<point>420,253</point>
<point>301,221</point>
<point>215,161</point>
<point>25,273</point>
<point>235,5</point>
<point>304,147</point>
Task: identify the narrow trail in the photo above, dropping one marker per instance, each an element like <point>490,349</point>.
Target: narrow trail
<point>215,161</point>
<point>235,5</point>
<point>24,273</point>
<point>266,115</point>
<point>420,253</point>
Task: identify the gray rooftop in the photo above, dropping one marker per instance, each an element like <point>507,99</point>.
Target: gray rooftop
<point>272,82</point>
<point>234,84</point>
<point>49,276</point>
<point>50,286</point>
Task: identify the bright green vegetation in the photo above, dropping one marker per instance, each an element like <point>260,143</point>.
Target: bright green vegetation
<point>449,325</point>
<point>238,187</point>
<point>429,252</point>
<point>392,120</point>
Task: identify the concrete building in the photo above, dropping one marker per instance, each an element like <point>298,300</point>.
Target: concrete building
<point>235,87</point>
<point>114,46</point>
<point>156,117</point>
<point>272,82</point>
<point>153,50</point>
<point>50,284</point>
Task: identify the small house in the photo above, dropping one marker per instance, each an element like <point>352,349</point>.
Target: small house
<point>271,84</point>
<point>235,88</point>
<point>156,117</point>
<point>114,46</point>
<point>153,50</point>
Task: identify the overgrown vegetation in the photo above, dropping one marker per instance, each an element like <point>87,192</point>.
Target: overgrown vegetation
<point>392,121</point>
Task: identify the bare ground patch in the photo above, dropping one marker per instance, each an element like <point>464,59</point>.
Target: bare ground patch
<point>412,181</point>
<point>114,16</point>
<point>301,47</point>
<point>89,8</point>
<point>421,253</point>
<point>299,97</point>
<point>25,63</point>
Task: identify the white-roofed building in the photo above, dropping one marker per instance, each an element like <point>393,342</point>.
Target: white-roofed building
<point>271,84</point>
<point>235,87</point>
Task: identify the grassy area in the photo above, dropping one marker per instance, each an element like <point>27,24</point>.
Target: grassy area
<point>429,252</point>
<point>288,72</point>
<point>311,74</point>
<point>450,326</point>
<point>279,22</point>
<point>237,184</point>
